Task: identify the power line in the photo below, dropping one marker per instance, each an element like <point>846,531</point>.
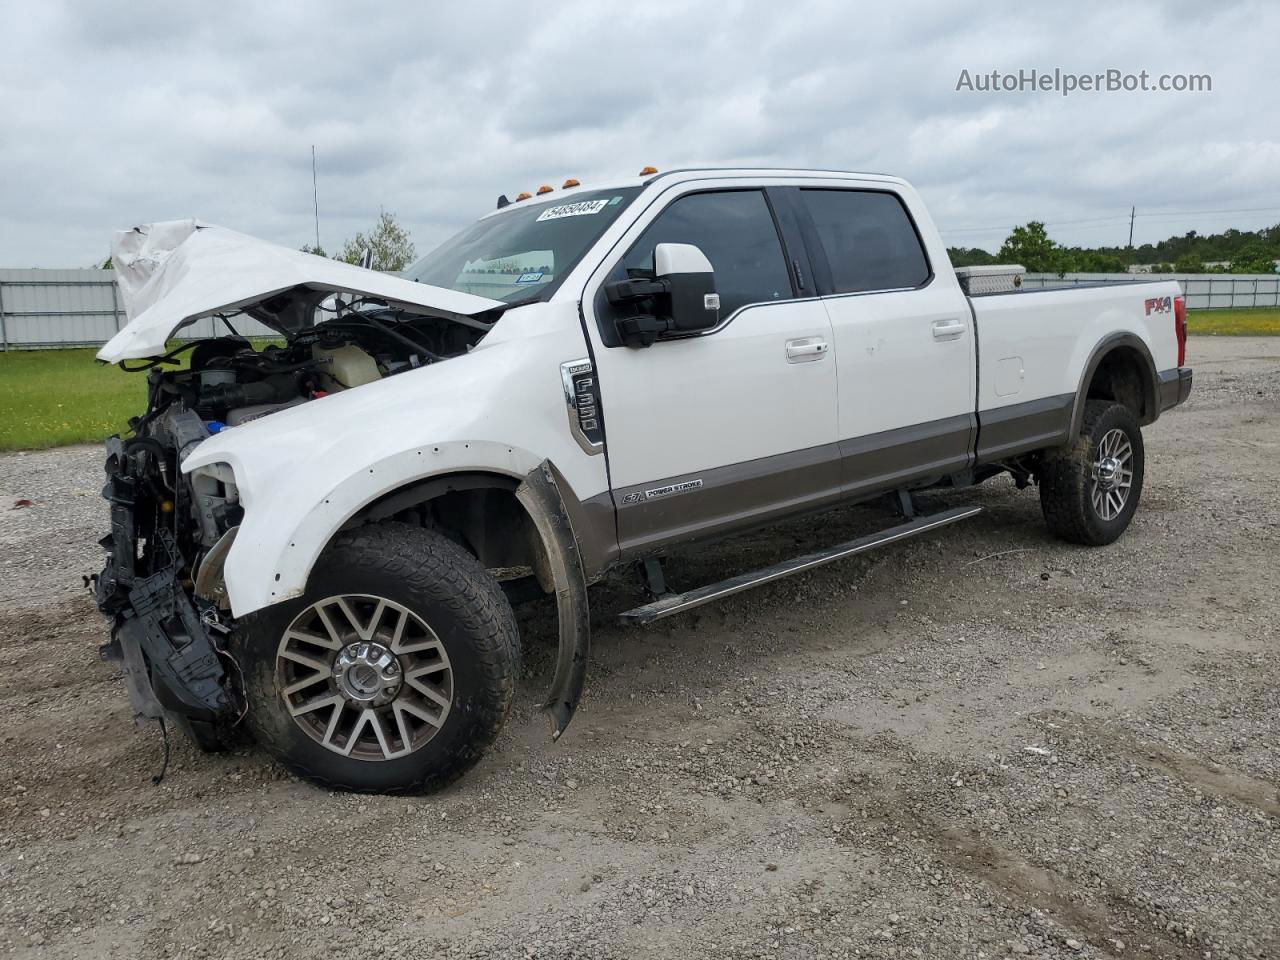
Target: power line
<point>1047,223</point>
<point>1192,213</point>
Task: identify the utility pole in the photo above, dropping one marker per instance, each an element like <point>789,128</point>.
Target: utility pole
<point>315,197</point>
<point>1132,213</point>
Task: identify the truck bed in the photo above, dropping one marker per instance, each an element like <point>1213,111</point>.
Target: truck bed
<point>1034,347</point>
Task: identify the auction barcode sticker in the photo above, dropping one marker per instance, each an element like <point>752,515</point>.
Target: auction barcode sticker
<point>579,209</point>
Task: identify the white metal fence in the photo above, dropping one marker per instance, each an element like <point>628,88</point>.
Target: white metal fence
<point>1203,290</point>
<point>81,308</point>
<point>76,308</point>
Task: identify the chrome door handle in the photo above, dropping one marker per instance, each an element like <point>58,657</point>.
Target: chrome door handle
<point>806,350</point>
<point>948,329</point>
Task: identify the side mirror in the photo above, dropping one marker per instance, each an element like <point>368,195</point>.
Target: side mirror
<point>680,298</point>
<point>691,283</point>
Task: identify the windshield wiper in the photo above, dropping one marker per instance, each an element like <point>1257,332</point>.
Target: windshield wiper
<point>523,301</point>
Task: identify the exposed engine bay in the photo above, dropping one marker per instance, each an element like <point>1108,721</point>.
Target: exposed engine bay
<point>170,532</point>
<point>228,382</point>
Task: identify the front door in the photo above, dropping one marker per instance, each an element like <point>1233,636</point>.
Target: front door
<point>732,427</point>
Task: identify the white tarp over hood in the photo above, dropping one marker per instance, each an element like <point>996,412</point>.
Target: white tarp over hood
<point>178,271</point>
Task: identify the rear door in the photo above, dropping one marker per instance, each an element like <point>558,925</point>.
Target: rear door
<point>904,343</point>
<point>730,427</point>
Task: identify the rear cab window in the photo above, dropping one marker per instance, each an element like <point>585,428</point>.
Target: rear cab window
<point>869,240</point>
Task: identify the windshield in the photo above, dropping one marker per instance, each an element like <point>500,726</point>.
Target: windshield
<point>522,254</point>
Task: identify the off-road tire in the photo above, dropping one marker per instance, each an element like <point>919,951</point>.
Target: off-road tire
<point>1066,478</point>
<point>452,592</point>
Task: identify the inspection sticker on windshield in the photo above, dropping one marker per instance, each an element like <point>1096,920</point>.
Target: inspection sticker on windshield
<point>579,209</point>
<point>529,277</point>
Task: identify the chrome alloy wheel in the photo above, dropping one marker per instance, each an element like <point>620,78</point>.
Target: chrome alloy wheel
<point>364,677</point>
<point>1112,474</point>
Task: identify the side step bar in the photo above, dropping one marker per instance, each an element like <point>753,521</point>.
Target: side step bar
<point>673,603</point>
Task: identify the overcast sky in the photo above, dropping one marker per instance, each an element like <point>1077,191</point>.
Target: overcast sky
<point>114,114</point>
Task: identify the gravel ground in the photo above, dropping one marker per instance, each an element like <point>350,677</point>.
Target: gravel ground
<point>978,744</point>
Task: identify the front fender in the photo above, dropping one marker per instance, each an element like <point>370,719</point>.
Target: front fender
<point>269,561</point>
<point>284,530</point>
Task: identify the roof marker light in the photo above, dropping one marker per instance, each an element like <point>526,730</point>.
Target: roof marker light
<point>570,183</point>
<point>523,196</point>
<point>648,170</point>
<point>545,188</point>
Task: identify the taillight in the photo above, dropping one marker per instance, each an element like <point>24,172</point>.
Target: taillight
<point>1180,326</point>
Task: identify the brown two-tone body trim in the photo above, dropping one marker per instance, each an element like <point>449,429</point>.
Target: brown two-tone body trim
<point>724,500</point>
<point>893,458</point>
<point>1023,427</point>
<point>1175,387</point>
<point>720,500</point>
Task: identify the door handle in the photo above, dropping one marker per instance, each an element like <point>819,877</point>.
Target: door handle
<point>948,329</point>
<point>806,350</point>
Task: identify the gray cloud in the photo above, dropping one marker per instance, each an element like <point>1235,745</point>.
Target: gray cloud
<point>111,115</point>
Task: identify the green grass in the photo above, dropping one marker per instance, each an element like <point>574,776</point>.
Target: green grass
<point>1250,322</point>
<point>49,398</point>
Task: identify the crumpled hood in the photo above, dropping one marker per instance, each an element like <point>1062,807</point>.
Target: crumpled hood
<point>177,271</point>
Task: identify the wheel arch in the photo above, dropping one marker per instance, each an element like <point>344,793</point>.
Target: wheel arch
<point>505,521</point>
<point>1120,368</point>
<point>476,509</point>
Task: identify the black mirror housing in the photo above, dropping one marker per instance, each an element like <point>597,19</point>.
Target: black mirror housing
<point>680,297</point>
<point>633,289</point>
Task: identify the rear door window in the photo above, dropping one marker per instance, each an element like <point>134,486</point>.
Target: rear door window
<point>869,239</point>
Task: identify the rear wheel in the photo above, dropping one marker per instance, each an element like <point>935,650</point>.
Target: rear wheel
<point>1090,490</point>
<point>393,672</point>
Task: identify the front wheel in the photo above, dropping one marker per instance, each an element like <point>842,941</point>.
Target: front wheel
<point>392,673</point>
<point>1090,490</point>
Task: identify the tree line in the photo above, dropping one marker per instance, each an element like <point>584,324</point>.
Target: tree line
<point>1244,251</point>
<point>386,247</point>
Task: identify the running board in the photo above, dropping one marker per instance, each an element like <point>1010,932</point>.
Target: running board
<point>673,603</point>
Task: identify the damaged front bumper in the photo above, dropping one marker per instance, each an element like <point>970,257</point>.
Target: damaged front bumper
<point>164,637</point>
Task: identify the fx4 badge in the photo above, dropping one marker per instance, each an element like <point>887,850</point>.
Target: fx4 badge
<point>1159,305</point>
<point>656,492</point>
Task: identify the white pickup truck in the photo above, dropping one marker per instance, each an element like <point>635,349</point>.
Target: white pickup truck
<point>323,536</point>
